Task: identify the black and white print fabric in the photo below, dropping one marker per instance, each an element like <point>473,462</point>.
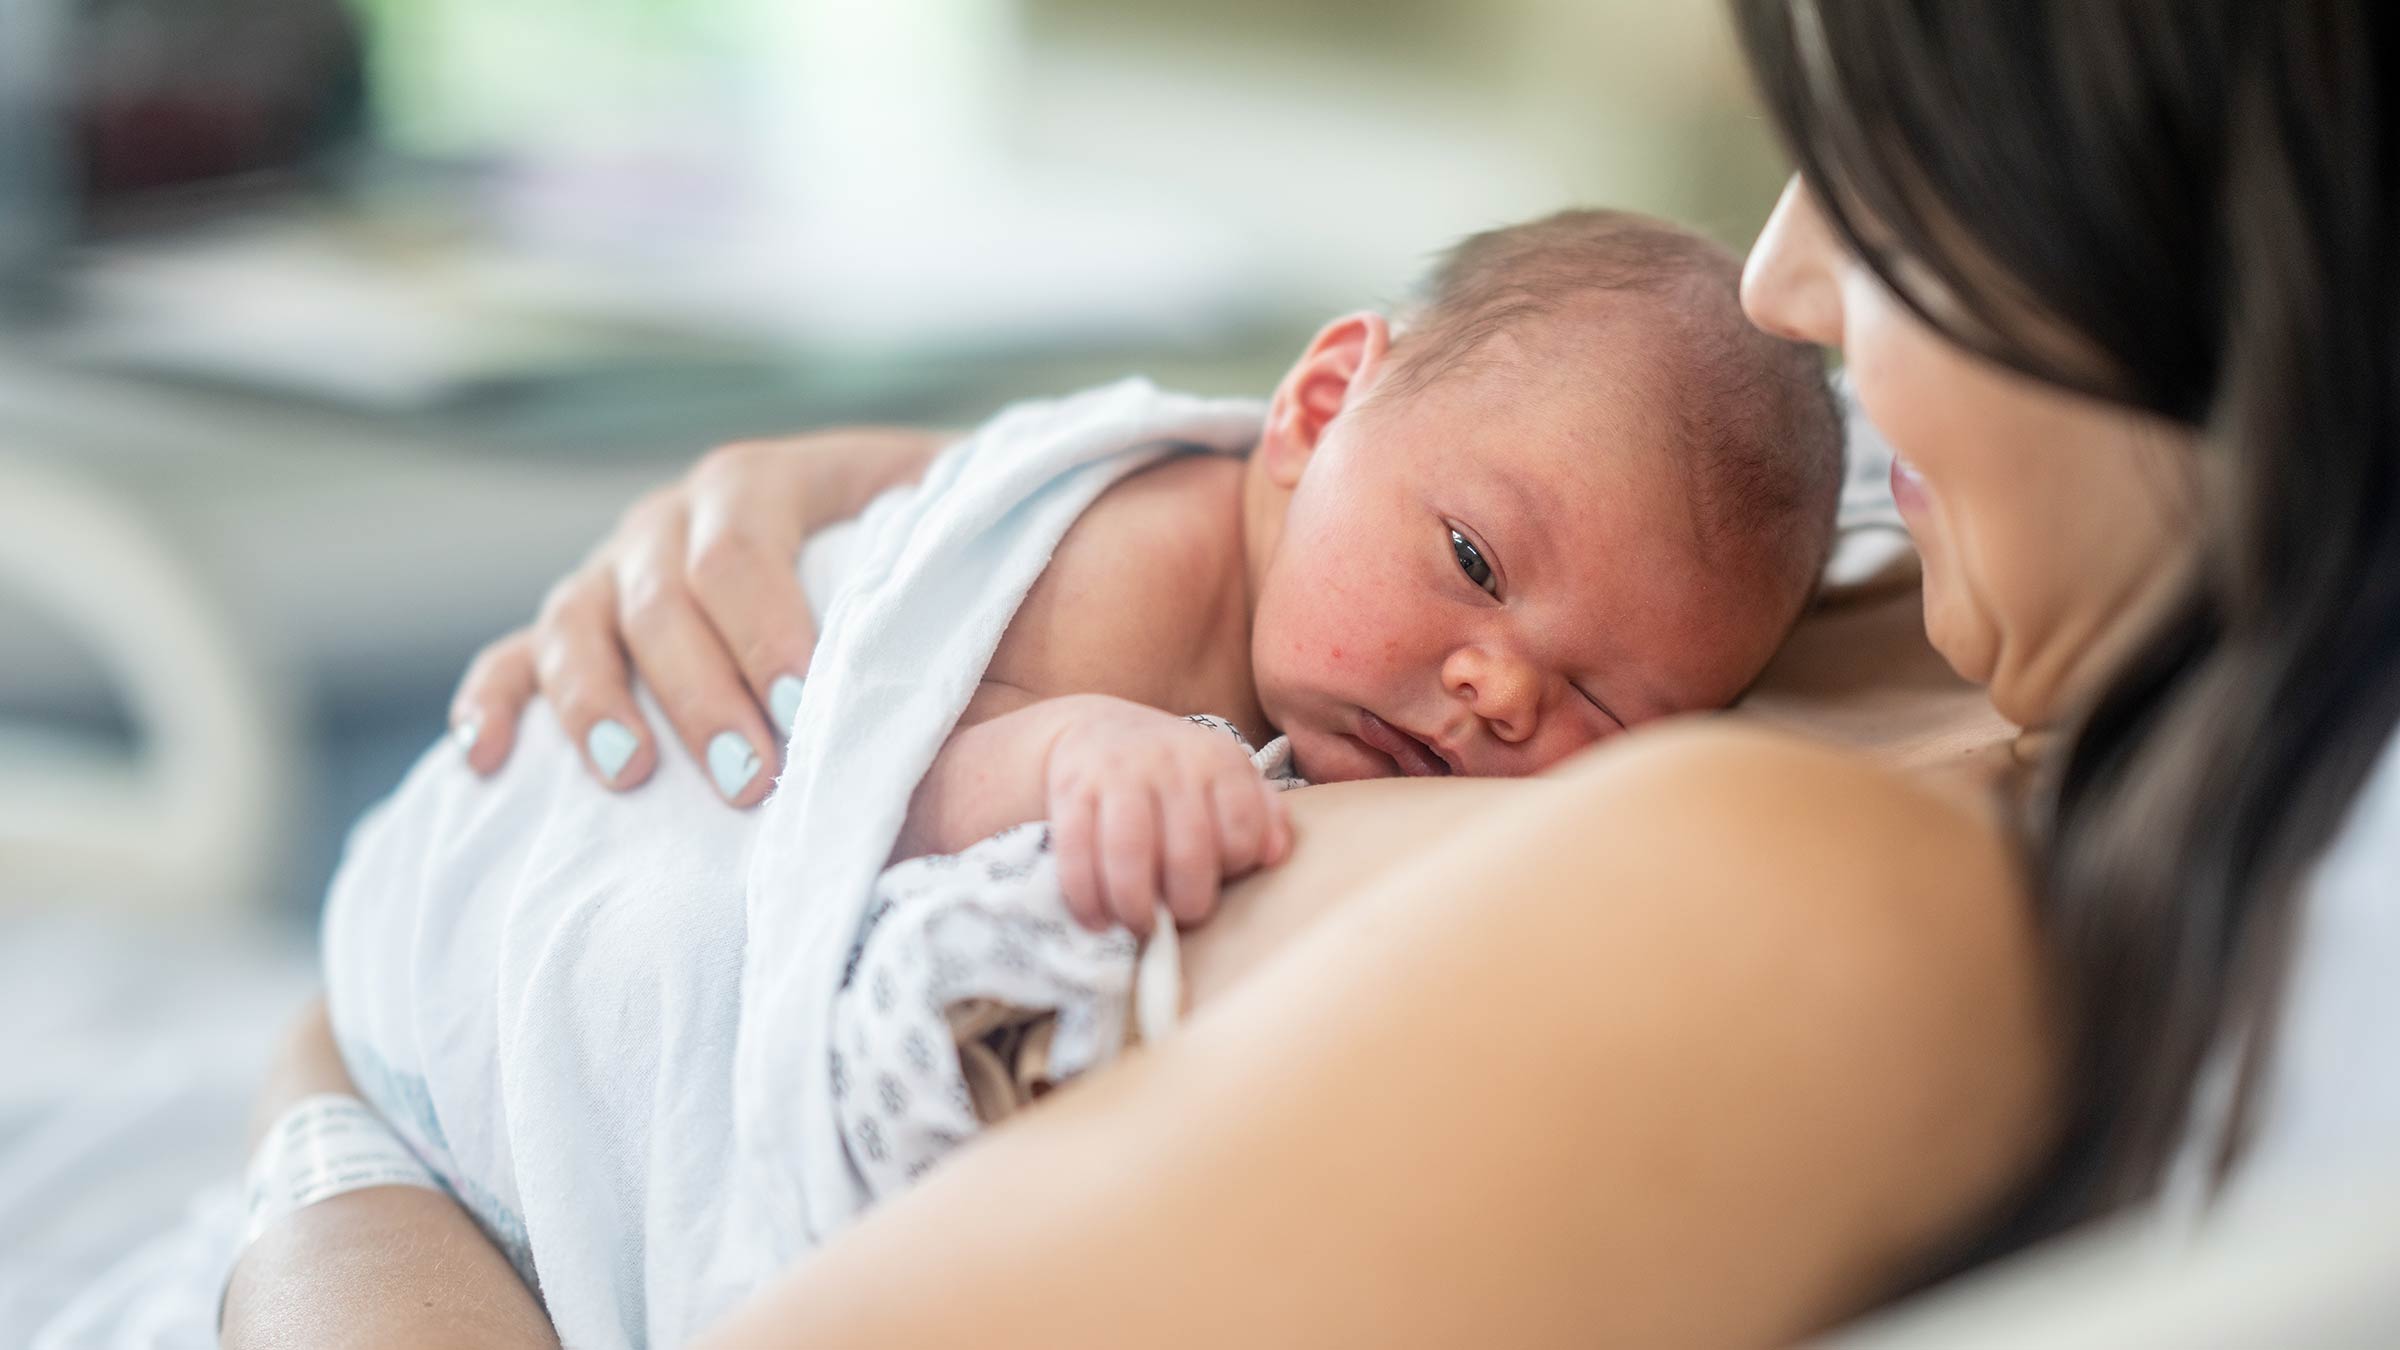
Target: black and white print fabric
<point>969,966</point>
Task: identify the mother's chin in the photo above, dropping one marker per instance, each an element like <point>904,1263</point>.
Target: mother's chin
<point>2043,632</point>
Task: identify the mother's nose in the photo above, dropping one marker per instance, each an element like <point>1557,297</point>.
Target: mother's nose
<point>1789,285</point>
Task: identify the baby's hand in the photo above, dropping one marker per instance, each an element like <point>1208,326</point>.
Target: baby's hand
<point>1145,806</point>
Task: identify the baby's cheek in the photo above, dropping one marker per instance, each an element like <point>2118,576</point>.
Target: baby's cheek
<point>1333,638</point>
<point>1318,662</point>
<point>1566,737</point>
<point>1319,638</point>
<point>1345,649</point>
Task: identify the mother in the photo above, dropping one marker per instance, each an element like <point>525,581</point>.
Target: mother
<point>1720,1033</point>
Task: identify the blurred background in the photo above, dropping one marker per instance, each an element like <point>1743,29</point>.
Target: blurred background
<point>331,332</point>
<point>348,326</point>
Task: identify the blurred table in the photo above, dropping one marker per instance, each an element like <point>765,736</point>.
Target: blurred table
<point>358,555</point>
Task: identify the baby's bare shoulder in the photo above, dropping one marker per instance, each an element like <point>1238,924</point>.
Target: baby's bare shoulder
<point>1134,588</point>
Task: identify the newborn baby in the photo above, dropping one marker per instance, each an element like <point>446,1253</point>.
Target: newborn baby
<point>1572,490</point>
<point>659,1049</point>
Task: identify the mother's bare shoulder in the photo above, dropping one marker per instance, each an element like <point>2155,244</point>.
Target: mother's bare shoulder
<point>1698,803</point>
<point>1750,810</point>
<point>1823,973</point>
<point>1794,914</point>
<point>1705,1039</point>
<point>1853,862</point>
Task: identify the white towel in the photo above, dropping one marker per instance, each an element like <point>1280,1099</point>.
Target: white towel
<point>902,652</point>
<point>602,1018</point>
<point>547,988</point>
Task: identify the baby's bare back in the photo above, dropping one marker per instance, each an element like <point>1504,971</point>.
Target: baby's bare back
<point>1145,600</point>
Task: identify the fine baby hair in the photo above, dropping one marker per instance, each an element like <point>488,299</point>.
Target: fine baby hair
<point>1760,437</point>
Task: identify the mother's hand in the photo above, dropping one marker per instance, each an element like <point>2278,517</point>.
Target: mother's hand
<point>697,591</point>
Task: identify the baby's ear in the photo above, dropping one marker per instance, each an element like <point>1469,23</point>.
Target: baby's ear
<point>1339,367</point>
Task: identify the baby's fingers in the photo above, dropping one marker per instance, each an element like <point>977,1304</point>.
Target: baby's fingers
<point>1129,854</point>
<point>1075,840</point>
<point>1190,847</point>
<point>1279,829</point>
<point>1246,813</point>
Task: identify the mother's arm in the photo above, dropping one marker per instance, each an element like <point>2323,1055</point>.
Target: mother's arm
<point>378,1269</point>
<point>1703,1042</point>
<point>696,587</point>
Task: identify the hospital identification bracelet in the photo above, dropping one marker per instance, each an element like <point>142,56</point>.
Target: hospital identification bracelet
<point>325,1145</point>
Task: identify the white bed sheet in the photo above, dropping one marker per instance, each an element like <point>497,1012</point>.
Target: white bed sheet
<point>128,1061</point>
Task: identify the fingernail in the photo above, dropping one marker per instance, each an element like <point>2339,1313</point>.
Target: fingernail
<point>610,745</point>
<point>465,732</point>
<point>783,699</point>
<point>732,763</point>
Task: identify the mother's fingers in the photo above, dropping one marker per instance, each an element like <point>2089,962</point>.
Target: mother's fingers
<point>747,587</point>
<point>490,700</point>
<point>581,667</point>
<point>689,671</point>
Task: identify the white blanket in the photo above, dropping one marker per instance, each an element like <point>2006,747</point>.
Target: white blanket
<point>602,1018</point>
<point>548,987</point>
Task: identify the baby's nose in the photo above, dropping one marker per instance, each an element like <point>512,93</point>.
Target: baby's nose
<point>1504,692</point>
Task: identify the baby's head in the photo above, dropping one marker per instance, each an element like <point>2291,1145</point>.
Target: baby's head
<point>1569,491</point>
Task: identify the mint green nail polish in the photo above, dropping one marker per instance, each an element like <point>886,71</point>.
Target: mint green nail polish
<point>783,699</point>
<point>611,744</point>
<point>466,734</point>
<point>732,763</point>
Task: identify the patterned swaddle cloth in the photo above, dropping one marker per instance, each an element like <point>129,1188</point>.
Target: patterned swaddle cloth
<point>971,992</point>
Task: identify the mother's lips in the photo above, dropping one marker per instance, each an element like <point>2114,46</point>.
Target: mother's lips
<point>1414,757</point>
<point>1908,487</point>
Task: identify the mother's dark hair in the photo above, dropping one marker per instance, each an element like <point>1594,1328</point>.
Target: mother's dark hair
<point>2191,207</point>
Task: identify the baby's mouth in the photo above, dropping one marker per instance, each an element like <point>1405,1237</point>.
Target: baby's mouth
<point>1412,756</point>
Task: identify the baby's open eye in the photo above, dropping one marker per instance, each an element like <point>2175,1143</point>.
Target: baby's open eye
<point>1470,561</point>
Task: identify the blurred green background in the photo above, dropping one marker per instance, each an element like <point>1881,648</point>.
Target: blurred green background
<point>333,333</point>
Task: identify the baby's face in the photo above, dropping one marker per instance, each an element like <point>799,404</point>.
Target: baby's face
<point>1486,575</point>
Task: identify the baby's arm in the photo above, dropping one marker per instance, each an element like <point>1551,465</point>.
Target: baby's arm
<point>1145,806</point>
<point>989,774</point>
